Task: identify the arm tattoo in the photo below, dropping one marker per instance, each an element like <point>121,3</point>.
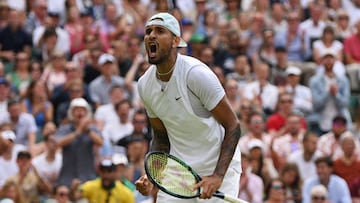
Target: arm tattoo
<point>228,148</point>
<point>160,142</point>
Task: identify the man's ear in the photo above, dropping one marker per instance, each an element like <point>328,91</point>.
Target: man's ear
<point>176,42</point>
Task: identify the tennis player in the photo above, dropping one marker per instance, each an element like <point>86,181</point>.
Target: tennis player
<point>189,113</point>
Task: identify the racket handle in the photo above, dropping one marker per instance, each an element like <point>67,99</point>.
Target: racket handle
<point>228,198</point>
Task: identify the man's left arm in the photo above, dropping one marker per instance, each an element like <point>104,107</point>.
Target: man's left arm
<point>224,114</point>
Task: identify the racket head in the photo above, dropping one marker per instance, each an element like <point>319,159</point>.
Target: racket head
<point>171,175</point>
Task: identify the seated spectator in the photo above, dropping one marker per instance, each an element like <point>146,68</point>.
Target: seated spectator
<point>54,74</point>
<point>106,188</point>
<point>23,124</point>
<point>20,78</point>
<point>242,72</point>
<point>119,128</point>
<point>319,194</point>
<point>233,94</point>
<point>11,192</point>
<point>8,166</point>
<point>261,165</point>
<point>301,94</point>
<point>99,87</point>
<point>251,185</point>
<point>78,139</point>
<point>337,187</point>
<point>48,164</point>
<point>352,46</point>
<point>289,142</point>
<point>342,27</point>
<point>31,183</point>
<point>330,93</point>
<point>347,166</point>
<point>38,104</point>
<point>61,195</point>
<point>276,123</point>
<point>261,92</point>
<point>305,158</point>
<point>290,176</point>
<point>256,130</point>
<point>4,94</point>
<point>106,113</point>
<point>329,143</point>
<point>275,191</point>
<point>278,72</point>
<point>246,108</point>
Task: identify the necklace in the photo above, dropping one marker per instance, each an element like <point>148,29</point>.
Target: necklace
<point>162,74</point>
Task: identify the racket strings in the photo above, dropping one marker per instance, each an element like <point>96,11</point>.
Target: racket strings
<point>172,175</point>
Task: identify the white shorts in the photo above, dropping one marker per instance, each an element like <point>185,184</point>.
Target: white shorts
<point>229,186</point>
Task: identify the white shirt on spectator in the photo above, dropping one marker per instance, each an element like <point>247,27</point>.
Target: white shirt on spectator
<point>269,94</point>
<point>307,169</point>
<point>48,170</point>
<point>106,113</point>
<point>63,41</point>
<point>115,131</point>
<point>302,98</point>
<point>19,5</point>
<point>244,143</point>
<point>286,144</point>
<point>10,168</point>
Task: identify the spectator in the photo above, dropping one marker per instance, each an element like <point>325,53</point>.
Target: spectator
<point>292,39</point>
<point>13,38</point>
<point>37,103</point>
<point>352,46</point>
<point>342,27</point>
<point>288,142</point>
<point>260,164</point>
<point>36,70</point>
<point>275,191</point>
<point>329,143</point>
<point>20,78</point>
<point>106,188</point>
<point>301,94</point>
<point>266,52</point>
<point>77,140</point>
<point>106,114</point>
<point>330,94</point>
<point>276,123</point>
<point>347,166</point>
<point>233,94</point>
<point>46,46</point>
<point>251,185</point>
<point>4,95</point>
<point>32,185</point>
<point>99,87</point>
<point>11,191</point>
<point>22,123</point>
<point>242,73</point>
<point>36,16</point>
<point>305,158</point>
<point>54,74</point>
<point>48,164</point>
<point>8,166</point>
<point>75,29</point>
<point>4,14</point>
<point>290,176</point>
<point>261,92</point>
<point>278,73</point>
<point>256,131</point>
<point>119,128</point>
<point>319,193</point>
<point>337,187</point>
<point>61,195</point>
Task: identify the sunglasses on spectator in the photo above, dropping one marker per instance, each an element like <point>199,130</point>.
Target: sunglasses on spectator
<point>277,186</point>
<point>256,121</point>
<point>286,101</point>
<point>139,121</point>
<point>321,198</point>
<point>63,194</point>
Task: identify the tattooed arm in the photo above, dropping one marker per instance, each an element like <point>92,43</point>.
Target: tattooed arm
<point>160,141</point>
<point>224,114</point>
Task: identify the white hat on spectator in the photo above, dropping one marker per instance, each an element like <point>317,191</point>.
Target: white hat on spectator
<point>119,158</point>
<point>106,58</point>
<point>319,190</point>
<point>78,102</point>
<point>293,70</point>
<point>328,52</point>
<point>8,135</point>
<point>253,143</point>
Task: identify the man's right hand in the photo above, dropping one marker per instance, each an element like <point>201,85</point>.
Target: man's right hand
<point>145,187</point>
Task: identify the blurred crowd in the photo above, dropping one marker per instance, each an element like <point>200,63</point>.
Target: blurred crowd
<point>73,128</point>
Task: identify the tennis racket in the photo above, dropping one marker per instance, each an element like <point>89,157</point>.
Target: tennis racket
<point>174,177</point>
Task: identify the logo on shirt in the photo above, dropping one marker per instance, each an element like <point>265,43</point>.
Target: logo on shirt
<point>177,98</point>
